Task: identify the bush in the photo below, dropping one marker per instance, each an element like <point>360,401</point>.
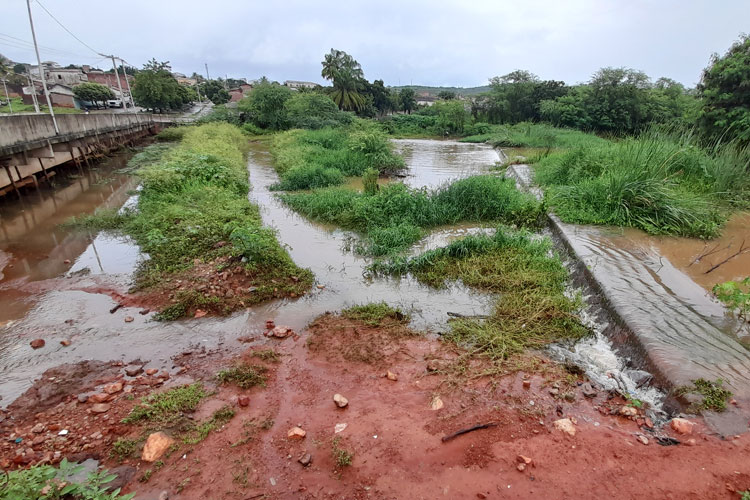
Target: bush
<point>396,216</point>
<point>314,111</point>
<point>171,134</point>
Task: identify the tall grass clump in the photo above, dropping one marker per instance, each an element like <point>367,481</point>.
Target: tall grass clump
<point>307,159</point>
<point>532,309</point>
<point>396,216</point>
<point>194,207</point>
<point>534,135</point>
<point>660,182</point>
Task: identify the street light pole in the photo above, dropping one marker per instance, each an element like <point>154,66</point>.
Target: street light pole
<point>33,91</point>
<point>41,70</point>
<point>119,84</point>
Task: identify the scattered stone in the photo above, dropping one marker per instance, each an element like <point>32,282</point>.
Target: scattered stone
<point>339,428</point>
<point>133,370</point>
<point>100,397</point>
<point>521,467</point>
<point>649,423</point>
<point>391,376</point>
<point>113,388</point>
<point>296,433</point>
<point>321,287</point>
<point>527,384</point>
<point>100,408</point>
<point>554,391</point>
<point>305,459</point>
<point>243,401</point>
<point>681,426</point>
<point>436,404</point>
<point>639,377</point>
<point>628,411</point>
<point>63,432</point>
<point>643,439</point>
<point>65,342</point>
<point>164,495</point>
<point>340,400</point>
<point>156,445</point>
<point>270,325</point>
<point>690,442</point>
<point>565,425</point>
<point>129,319</point>
<point>82,398</point>
<point>152,371</point>
<point>38,428</point>
<point>66,261</point>
<point>144,312</point>
<point>199,313</point>
<point>521,459</point>
<point>588,390</point>
<point>37,343</point>
<point>282,332</point>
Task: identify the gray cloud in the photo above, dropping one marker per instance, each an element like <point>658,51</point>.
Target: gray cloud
<point>431,43</point>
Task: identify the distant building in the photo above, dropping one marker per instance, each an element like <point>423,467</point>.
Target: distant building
<point>426,100</point>
<point>109,79</point>
<point>60,95</point>
<point>240,92</point>
<point>69,77</point>
<point>295,84</point>
<point>191,82</point>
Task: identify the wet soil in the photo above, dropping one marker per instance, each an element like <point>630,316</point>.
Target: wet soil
<point>392,430</point>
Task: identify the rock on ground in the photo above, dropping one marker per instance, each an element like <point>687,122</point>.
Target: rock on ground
<point>156,445</point>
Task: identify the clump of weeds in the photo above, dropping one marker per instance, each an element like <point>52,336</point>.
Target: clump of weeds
<point>243,375</point>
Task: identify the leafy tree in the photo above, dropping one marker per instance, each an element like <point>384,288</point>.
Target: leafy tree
<point>338,60</point>
<point>215,91</point>
<point>381,97</point>
<point>407,99</point>
<point>155,88</point>
<point>725,92</point>
<point>446,95</point>
<point>313,111</point>
<point>19,69</point>
<point>451,117</point>
<point>264,106</point>
<point>94,93</point>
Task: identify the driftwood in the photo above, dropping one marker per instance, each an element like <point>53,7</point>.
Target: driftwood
<point>708,251</point>
<point>114,309</point>
<point>466,316</point>
<point>468,429</point>
<point>738,252</point>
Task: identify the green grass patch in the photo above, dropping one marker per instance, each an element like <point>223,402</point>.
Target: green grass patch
<point>307,159</point>
<point>168,406</point>
<point>659,182</point>
<point>532,309</point>
<point>267,355</point>
<point>46,481</point>
<point>194,196</point>
<point>535,135</point>
<point>122,449</point>
<point>171,134</point>
<point>19,107</point>
<point>714,395</point>
<point>374,313</point>
<point>243,375</point>
<point>397,216</point>
<point>202,430</point>
<point>341,456</point>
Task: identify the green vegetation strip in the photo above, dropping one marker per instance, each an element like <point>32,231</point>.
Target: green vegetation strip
<point>374,313</point>
<point>167,407</point>
<point>660,182</point>
<point>307,159</point>
<point>194,206</point>
<point>532,308</point>
<point>396,216</point>
<point>46,481</point>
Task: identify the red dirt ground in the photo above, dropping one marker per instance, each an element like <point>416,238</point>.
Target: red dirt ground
<point>391,429</point>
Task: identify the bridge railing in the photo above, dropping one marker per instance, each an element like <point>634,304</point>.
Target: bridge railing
<point>19,130</point>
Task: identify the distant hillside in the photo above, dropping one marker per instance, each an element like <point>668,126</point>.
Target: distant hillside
<point>434,90</point>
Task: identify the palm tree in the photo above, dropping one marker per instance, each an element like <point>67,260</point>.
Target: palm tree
<point>337,60</point>
<point>346,86</point>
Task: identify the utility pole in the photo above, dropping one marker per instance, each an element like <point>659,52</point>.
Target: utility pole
<point>41,69</point>
<point>10,106</point>
<point>119,84</point>
<point>127,82</point>
<point>33,91</point>
<point>207,77</point>
<point>226,81</point>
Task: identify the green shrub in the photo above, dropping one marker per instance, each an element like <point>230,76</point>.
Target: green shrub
<point>396,216</point>
<point>46,481</point>
<point>168,406</point>
<point>171,134</point>
<point>374,313</point>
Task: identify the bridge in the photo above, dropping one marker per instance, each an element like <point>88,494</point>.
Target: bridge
<point>30,148</point>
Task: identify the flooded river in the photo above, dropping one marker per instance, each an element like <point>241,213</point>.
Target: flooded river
<point>57,284</point>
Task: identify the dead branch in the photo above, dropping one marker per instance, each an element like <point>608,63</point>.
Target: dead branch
<point>738,252</point>
<point>706,253</point>
<point>468,429</point>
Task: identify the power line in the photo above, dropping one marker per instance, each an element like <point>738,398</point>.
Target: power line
<point>19,43</point>
<point>66,29</point>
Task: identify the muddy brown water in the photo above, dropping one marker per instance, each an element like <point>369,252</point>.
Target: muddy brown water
<point>43,297</point>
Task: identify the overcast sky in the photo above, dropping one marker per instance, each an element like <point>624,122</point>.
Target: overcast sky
<point>461,43</point>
